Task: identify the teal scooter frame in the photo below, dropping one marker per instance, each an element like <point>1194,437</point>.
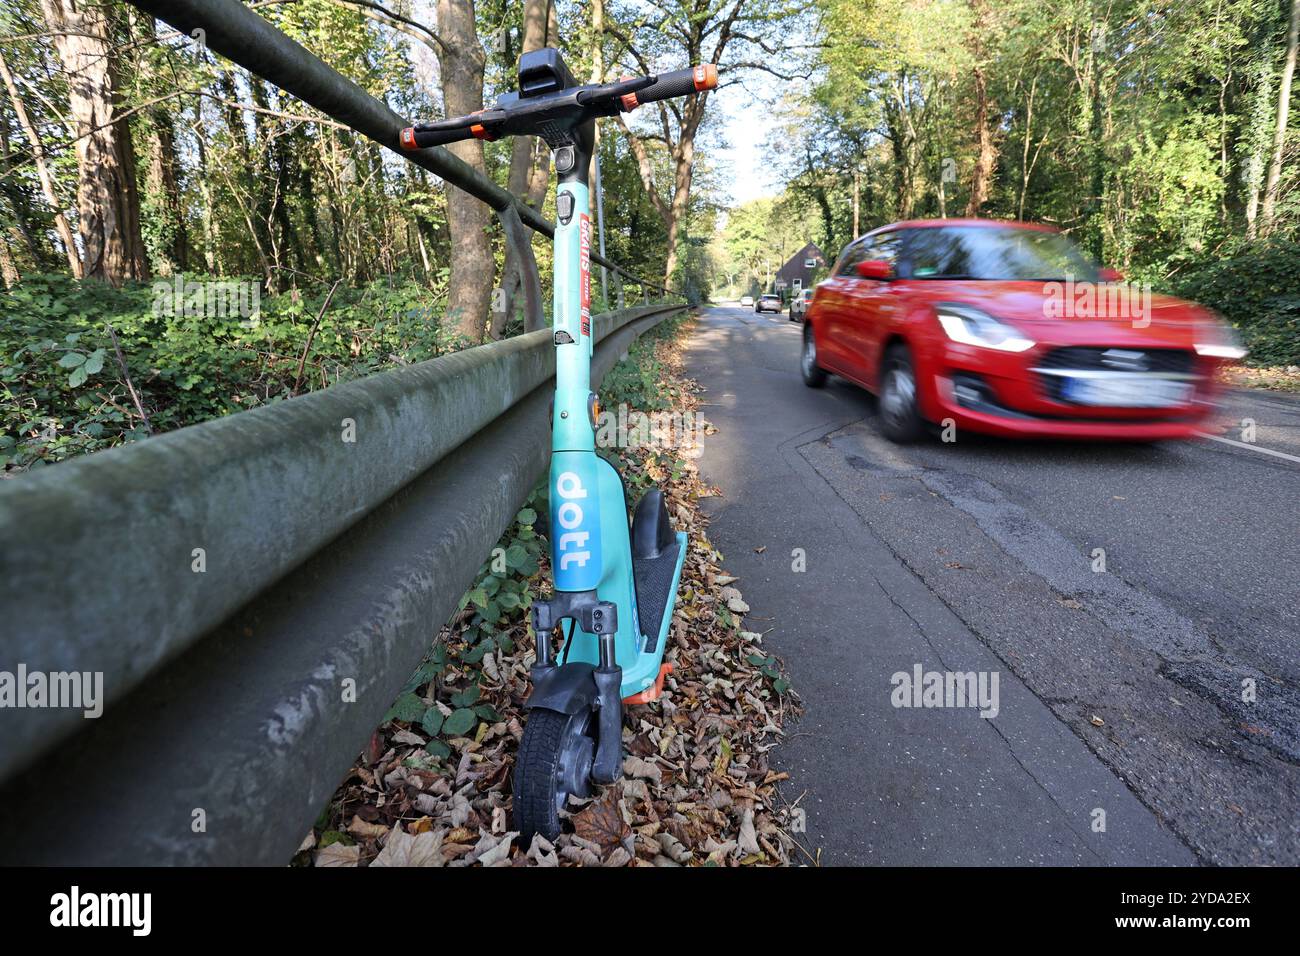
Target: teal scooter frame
<point>615,583</point>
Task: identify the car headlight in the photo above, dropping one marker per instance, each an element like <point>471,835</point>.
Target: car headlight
<point>972,327</point>
<point>1218,340</point>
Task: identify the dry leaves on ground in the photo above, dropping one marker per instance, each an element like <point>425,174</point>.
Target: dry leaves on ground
<point>697,787</point>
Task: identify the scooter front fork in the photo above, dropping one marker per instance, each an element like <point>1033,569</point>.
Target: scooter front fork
<point>601,619</point>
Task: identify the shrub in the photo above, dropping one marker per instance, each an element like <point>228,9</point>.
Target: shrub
<point>62,391</point>
<point>1258,290</point>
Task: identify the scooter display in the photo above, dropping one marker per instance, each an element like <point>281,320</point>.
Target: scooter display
<point>615,582</point>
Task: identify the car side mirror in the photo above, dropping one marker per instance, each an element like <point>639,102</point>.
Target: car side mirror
<point>1107,274</point>
<point>875,269</point>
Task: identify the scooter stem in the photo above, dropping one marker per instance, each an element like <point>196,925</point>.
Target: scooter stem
<point>573,427</point>
<point>575,505</point>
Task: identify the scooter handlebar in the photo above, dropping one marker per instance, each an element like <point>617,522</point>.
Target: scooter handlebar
<point>597,100</point>
<point>666,86</point>
<point>416,137</point>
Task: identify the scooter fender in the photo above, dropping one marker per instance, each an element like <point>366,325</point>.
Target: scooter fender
<point>566,689</point>
<point>571,688</point>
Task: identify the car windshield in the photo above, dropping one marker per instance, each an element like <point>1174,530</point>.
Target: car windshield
<point>996,253</point>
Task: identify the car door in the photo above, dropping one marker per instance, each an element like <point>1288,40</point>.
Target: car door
<point>868,309</point>
<point>832,298</point>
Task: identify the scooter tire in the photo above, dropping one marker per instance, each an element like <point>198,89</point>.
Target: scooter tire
<point>540,771</point>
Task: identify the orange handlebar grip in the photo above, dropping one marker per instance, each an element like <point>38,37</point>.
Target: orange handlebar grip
<point>706,76</point>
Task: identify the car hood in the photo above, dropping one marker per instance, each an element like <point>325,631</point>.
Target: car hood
<point>1082,312</point>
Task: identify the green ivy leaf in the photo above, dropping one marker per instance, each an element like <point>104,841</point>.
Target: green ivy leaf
<point>407,707</point>
<point>432,721</point>
<point>460,723</point>
<point>72,359</point>
<point>467,696</point>
<point>330,837</point>
<point>475,653</point>
<point>436,748</point>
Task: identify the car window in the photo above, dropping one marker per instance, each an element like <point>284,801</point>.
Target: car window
<point>852,255</point>
<point>884,248</point>
<point>995,253</point>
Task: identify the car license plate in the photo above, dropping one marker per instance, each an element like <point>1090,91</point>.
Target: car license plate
<point>1127,392</point>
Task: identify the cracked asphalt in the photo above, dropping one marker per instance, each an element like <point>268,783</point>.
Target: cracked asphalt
<point>1148,713</point>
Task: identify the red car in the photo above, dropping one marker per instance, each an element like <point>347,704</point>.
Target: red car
<point>1009,329</point>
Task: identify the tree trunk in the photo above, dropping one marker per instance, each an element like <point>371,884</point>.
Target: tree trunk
<point>160,181</point>
<point>472,267</point>
<point>530,173</point>
<point>986,151</point>
<point>8,271</point>
<point>162,195</point>
<point>684,170</point>
<point>211,235</point>
<point>1269,210</point>
<point>685,117</point>
<point>1259,138</point>
<point>108,203</point>
<point>42,170</point>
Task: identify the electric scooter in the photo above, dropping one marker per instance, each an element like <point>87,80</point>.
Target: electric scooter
<point>615,584</point>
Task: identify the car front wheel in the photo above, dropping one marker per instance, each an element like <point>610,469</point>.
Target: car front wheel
<point>900,415</point>
<point>813,375</point>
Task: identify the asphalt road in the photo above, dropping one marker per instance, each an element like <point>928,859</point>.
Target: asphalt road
<point>1126,729</point>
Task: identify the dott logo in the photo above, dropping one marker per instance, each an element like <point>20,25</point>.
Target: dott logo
<point>570,516</point>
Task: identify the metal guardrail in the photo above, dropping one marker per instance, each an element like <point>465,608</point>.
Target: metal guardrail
<point>326,561</point>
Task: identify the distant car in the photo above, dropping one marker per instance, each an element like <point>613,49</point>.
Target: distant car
<point>746,300</point>
<point>768,302</point>
<point>1009,329</point>
<point>799,304</point>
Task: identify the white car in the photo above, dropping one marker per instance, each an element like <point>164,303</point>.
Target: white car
<point>746,301</point>
<point>799,304</point>
<point>768,302</point>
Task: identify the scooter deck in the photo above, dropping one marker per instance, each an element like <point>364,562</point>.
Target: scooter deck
<point>656,584</point>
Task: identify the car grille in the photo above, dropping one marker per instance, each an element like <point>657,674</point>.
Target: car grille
<point>1094,359</point>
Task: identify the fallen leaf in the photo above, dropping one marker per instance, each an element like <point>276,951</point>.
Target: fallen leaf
<point>601,822</point>
<point>336,854</point>
<point>493,851</point>
<point>360,828</point>
<point>403,849</point>
<point>644,769</point>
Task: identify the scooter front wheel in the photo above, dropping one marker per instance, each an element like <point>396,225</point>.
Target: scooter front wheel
<point>554,763</point>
